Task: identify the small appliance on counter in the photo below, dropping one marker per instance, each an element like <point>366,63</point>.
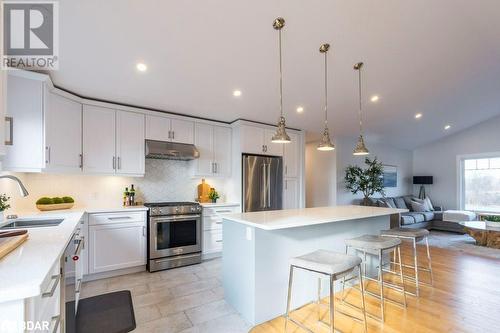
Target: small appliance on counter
<point>174,234</point>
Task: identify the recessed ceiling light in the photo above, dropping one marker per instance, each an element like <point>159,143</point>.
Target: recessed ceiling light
<point>237,93</point>
<point>374,98</point>
<point>141,67</point>
<point>418,115</point>
<point>447,127</point>
<point>300,109</point>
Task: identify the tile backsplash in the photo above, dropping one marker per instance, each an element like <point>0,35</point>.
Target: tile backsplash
<point>164,180</point>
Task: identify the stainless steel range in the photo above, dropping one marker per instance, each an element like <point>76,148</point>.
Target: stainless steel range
<point>174,234</point>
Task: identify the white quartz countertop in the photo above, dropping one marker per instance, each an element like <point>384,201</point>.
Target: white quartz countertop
<point>293,218</point>
<point>23,271</point>
<point>219,204</point>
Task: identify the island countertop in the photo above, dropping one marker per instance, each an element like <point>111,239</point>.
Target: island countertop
<point>293,218</point>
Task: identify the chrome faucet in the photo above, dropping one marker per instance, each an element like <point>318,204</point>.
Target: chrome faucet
<point>22,189</point>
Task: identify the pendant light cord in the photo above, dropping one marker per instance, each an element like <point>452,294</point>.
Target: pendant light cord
<point>281,75</point>
<point>360,103</point>
<point>326,91</point>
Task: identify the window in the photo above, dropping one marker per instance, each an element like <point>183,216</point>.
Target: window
<point>481,184</point>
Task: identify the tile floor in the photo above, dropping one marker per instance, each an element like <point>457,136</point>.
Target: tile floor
<point>185,300</point>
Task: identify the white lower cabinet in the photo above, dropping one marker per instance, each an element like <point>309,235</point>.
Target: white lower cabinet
<point>116,241</point>
<point>291,193</point>
<point>212,226</point>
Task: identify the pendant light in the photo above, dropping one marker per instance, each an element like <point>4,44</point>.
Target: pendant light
<point>280,136</point>
<point>360,146</point>
<point>325,144</point>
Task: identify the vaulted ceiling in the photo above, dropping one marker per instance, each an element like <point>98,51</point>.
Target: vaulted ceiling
<point>439,58</point>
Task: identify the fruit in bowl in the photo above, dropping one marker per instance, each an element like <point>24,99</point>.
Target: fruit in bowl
<point>55,203</point>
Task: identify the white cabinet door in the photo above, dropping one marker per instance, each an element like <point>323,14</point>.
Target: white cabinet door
<point>222,151</point>
<point>204,141</point>
<point>275,149</point>
<point>291,156</point>
<point>25,106</point>
<point>182,131</point>
<point>130,156</point>
<point>63,134</point>
<point>291,193</point>
<point>157,128</point>
<point>116,246</point>
<point>252,139</point>
<point>98,139</point>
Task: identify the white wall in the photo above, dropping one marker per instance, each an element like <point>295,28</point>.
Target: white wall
<point>321,177</point>
<point>165,180</point>
<point>439,159</point>
<point>385,154</point>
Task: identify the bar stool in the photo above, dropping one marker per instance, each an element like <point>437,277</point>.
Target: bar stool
<point>377,246</point>
<point>414,235</point>
<point>335,266</point>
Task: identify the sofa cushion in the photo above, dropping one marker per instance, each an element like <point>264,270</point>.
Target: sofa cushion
<point>407,219</point>
<point>418,217</point>
<point>400,203</point>
<point>428,216</point>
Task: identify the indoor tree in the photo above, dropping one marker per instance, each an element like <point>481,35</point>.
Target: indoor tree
<point>368,181</point>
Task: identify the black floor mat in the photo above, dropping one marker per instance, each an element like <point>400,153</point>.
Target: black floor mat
<point>110,313</point>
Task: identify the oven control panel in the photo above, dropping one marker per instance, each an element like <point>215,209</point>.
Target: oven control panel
<point>175,210</point>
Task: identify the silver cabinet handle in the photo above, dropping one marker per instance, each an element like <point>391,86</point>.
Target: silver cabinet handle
<point>10,120</point>
<point>81,161</point>
<point>218,222</point>
<point>286,184</point>
<point>213,169</point>
<point>173,134</point>
<point>47,155</point>
<point>224,211</point>
<point>263,148</point>
<point>144,231</point>
<point>56,320</point>
<point>119,162</point>
<point>119,218</point>
<point>50,293</point>
<point>78,286</point>
<point>79,245</point>
<point>114,163</point>
<point>216,168</point>
<point>286,169</point>
<point>219,241</point>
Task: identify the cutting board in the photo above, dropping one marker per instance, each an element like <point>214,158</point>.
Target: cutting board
<point>9,244</point>
<point>203,191</point>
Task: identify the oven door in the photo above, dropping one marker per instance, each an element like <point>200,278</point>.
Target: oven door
<point>174,235</point>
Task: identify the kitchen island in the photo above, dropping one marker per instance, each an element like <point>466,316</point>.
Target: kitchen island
<point>258,246</point>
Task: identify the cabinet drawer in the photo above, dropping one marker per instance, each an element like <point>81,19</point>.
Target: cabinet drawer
<point>211,211</point>
<point>213,222</point>
<point>125,217</point>
<point>212,241</point>
<point>47,303</point>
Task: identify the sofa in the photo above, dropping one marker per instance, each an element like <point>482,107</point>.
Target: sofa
<point>428,220</point>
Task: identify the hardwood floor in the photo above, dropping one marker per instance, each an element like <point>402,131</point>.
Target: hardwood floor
<point>465,298</point>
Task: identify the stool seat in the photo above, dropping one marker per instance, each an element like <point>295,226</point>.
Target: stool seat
<point>326,262</point>
<point>406,232</point>
<point>373,242</point>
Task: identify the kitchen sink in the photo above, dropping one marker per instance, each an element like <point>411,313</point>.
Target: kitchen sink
<point>35,223</point>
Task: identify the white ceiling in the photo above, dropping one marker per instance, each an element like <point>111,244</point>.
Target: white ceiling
<point>440,58</point>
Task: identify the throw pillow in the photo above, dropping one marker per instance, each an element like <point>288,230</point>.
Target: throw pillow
<point>400,203</point>
<point>390,202</point>
<point>426,202</point>
<point>429,203</point>
<point>382,203</point>
<point>418,207</point>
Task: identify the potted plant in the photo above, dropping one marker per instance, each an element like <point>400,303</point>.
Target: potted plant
<point>213,195</point>
<point>4,199</point>
<point>46,203</point>
<point>492,220</point>
<point>368,181</point>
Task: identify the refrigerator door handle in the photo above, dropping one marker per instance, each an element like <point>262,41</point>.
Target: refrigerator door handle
<point>268,195</point>
<point>263,199</point>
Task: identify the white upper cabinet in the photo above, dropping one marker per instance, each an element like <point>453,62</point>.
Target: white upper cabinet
<point>99,139</point>
<point>157,128</point>
<point>182,131</point>
<point>129,143</point>
<point>204,142</point>
<point>291,155</point>
<point>222,151</point>
<point>161,128</point>
<point>257,140</point>
<point>63,134</point>
<point>25,151</point>
<point>214,145</point>
<point>275,149</point>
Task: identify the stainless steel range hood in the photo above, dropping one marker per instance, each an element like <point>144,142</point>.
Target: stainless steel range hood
<point>171,150</point>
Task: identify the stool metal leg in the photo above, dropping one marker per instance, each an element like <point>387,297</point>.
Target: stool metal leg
<point>416,265</point>
<point>343,279</point>
<point>319,299</point>
<point>332,307</point>
<point>401,275</point>
<point>288,299</point>
<point>381,281</point>
<point>360,276</point>
<point>429,259</point>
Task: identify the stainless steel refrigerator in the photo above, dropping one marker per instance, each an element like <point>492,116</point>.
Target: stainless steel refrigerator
<point>262,183</point>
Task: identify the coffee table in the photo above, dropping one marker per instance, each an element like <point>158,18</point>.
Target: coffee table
<point>483,234</point>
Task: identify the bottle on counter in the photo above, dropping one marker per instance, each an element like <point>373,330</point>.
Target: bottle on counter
<point>126,197</point>
<point>132,195</point>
